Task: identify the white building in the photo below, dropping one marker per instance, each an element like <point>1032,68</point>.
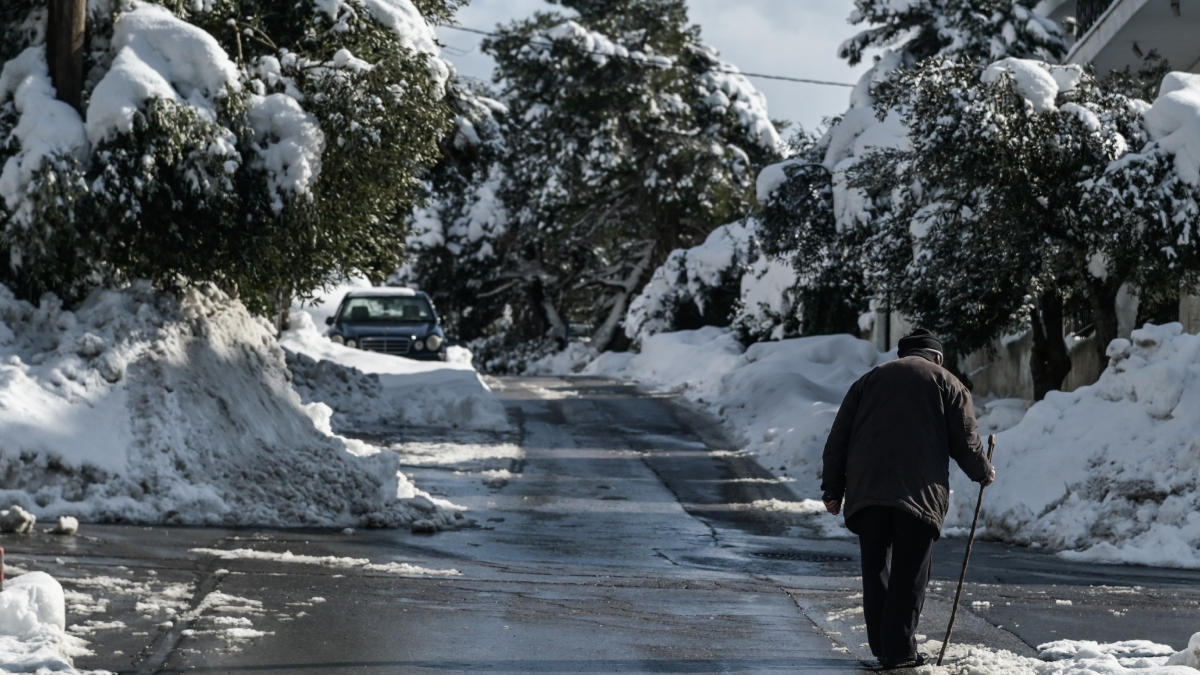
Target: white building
<point>1114,34</point>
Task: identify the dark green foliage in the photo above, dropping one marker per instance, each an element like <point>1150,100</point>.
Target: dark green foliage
<point>839,257</point>
<point>184,197</point>
<point>1007,215</point>
<point>165,201</point>
<point>454,248</point>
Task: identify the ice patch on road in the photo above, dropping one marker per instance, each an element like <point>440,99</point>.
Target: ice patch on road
<point>404,569</point>
<point>808,513</point>
<point>461,456</point>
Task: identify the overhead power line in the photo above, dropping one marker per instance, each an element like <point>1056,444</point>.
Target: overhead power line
<point>785,78</point>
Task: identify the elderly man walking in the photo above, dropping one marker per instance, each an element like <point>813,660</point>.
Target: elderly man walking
<point>888,455</point>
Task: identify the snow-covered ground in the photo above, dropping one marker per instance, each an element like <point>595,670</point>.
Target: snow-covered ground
<point>1107,473</point>
<point>141,407</point>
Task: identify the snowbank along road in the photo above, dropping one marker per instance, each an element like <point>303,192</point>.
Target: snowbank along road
<point>615,531</point>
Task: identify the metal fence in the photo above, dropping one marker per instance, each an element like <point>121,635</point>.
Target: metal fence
<point>1087,13</point>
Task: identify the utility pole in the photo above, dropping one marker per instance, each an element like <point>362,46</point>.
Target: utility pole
<point>64,49</point>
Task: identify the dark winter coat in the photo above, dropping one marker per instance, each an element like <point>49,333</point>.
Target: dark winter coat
<point>894,436</point>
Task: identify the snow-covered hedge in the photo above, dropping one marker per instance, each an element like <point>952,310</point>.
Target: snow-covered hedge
<point>138,407</point>
<point>725,281</point>
<point>216,133</point>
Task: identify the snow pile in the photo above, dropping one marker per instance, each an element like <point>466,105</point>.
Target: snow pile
<point>1174,122</point>
<point>370,389</point>
<point>780,398</point>
<point>140,407</point>
<point>690,361</point>
<point>575,357</point>
<point>1065,657</point>
<point>32,626</point>
<point>1109,470</point>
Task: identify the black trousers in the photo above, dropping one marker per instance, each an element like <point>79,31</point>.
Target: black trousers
<point>896,551</point>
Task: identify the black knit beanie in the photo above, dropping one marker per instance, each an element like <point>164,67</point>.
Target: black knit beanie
<point>919,339</point>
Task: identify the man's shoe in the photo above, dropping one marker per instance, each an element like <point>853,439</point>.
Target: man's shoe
<point>895,664</point>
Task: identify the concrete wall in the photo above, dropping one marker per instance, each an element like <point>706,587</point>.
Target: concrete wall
<point>1004,375</point>
<point>1189,313</point>
<point>887,330</point>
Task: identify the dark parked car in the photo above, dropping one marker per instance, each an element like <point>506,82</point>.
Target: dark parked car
<point>389,320</point>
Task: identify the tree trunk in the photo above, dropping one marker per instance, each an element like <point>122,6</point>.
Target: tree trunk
<point>553,321</point>
<point>282,305</point>
<point>1049,361</point>
<point>603,336</point>
<point>64,49</point>
<point>1103,299</point>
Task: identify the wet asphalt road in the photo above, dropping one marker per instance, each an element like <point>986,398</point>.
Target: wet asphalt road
<point>615,545</point>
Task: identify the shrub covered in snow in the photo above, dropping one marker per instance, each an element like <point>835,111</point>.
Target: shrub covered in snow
<point>725,281</point>
<point>221,141</point>
<point>138,407</point>
<point>813,214</point>
<point>1033,155</point>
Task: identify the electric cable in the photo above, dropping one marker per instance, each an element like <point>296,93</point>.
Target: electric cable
<point>784,78</point>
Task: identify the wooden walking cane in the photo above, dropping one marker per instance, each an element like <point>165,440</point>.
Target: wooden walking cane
<point>970,542</point>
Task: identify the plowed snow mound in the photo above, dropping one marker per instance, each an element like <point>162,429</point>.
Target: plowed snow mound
<point>1109,470</point>
<point>140,407</point>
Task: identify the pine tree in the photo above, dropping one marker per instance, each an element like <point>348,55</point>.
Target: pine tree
<point>627,138</point>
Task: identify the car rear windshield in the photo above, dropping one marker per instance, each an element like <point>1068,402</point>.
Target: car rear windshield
<point>382,309</point>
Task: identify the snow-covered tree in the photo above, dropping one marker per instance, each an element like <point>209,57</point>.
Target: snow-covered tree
<point>1014,207</point>
<point>221,141</point>
<point>627,138</point>
<point>454,248</point>
<point>811,214</point>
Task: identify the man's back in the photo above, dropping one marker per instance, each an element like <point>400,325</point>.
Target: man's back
<point>894,436</point>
